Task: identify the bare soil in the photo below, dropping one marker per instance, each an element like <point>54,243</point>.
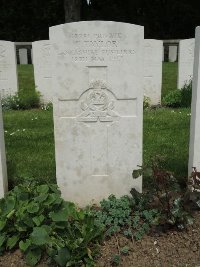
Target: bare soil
<point>171,249</point>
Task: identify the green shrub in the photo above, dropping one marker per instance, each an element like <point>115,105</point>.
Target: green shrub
<point>186,95</point>
<point>146,102</point>
<point>166,196</point>
<point>172,99</point>
<point>36,219</point>
<point>21,100</point>
<point>179,98</point>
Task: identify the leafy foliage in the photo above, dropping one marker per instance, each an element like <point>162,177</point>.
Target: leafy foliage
<point>172,99</point>
<point>193,192</point>
<point>21,100</point>
<point>146,102</point>
<point>36,219</point>
<point>179,98</point>
<point>166,196</point>
<point>125,215</point>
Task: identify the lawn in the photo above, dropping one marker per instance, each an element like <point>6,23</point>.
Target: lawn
<point>169,78</point>
<point>30,142</point>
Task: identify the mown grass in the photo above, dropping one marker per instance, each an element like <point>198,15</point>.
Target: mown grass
<point>169,77</point>
<point>30,141</point>
<point>26,77</point>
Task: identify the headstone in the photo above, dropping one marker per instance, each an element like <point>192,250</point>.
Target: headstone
<point>23,56</point>
<point>8,69</point>
<point>3,169</point>
<point>194,149</point>
<point>185,61</point>
<point>98,78</point>
<point>172,53</point>
<point>42,69</point>
<point>153,70</point>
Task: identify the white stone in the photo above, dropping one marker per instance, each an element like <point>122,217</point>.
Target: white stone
<point>42,69</point>
<point>153,70</point>
<point>98,108</point>
<point>3,169</point>
<point>185,61</point>
<point>8,69</point>
<point>23,56</point>
<point>172,53</point>
<point>194,148</point>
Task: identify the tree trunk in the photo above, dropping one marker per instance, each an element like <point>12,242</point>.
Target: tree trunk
<point>72,10</point>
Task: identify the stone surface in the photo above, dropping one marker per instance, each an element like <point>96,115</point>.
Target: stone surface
<point>153,70</point>
<point>23,56</point>
<point>98,108</point>
<point>42,69</point>
<point>194,149</point>
<point>3,169</point>
<point>8,69</point>
<point>172,53</point>
<point>185,61</point>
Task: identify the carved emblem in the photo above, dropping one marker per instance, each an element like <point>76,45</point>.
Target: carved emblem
<point>97,105</point>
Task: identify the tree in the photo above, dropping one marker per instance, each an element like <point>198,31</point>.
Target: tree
<point>72,10</point>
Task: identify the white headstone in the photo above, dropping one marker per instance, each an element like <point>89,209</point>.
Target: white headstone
<point>3,169</point>
<point>172,53</point>
<point>153,70</point>
<point>194,149</point>
<point>8,69</point>
<point>98,78</point>
<point>42,69</point>
<point>23,56</point>
<point>185,61</point>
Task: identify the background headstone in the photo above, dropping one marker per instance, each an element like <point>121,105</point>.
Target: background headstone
<point>172,53</point>
<point>98,78</point>
<point>194,149</point>
<point>23,56</point>
<point>153,52</point>
<point>3,168</point>
<point>8,69</point>
<point>185,61</point>
<point>42,69</point>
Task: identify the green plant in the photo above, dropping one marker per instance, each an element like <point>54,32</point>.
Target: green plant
<point>146,102</point>
<point>193,187</point>
<point>36,219</point>
<point>125,250</point>
<point>21,100</point>
<point>114,214</point>
<point>127,216</point>
<point>179,97</point>
<point>186,94</point>
<point>10,103</point>
<point>116,259</point>
<point>172,99</point>
<point>47,107</point>
<point>166,196</point>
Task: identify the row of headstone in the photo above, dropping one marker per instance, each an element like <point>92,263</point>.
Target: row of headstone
<point>42,69</point>
<point>23,56</point>
<point>186,61</point>
<point>8,69</point>
<point>97,70</point>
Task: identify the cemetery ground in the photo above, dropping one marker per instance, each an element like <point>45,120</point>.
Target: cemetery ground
<point>30,155</point>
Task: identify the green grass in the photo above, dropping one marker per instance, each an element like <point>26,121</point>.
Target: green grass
<point>30,153</point>
<point>169,77</point>
<point>26,77</point>
<point>29,143</point>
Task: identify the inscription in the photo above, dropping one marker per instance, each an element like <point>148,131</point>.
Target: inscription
<point>96,47</point>
<point>97,105</point>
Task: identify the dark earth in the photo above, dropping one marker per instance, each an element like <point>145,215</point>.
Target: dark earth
<point>171,249</point>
